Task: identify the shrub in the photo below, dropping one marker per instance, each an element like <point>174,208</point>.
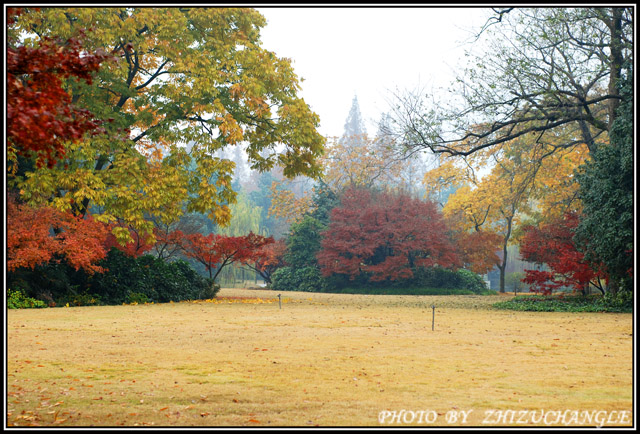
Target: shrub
<point>448,279</point>
<point>471,281</point>
<point>17,300</point>
<point>137,298</point>
<point>131,278</point>
<point>83,299</point>
<point>622,301</point>
<point>570,303</point>
<point>306,279</point>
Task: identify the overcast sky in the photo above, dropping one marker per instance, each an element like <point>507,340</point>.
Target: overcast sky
<point>368,52</point>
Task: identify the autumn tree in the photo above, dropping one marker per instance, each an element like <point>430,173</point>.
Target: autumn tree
<point>216,251</point>
<point>384,237</point>
<point>288,205</point>
<point>268,259</point>
<point>37,236</point>
<point>357,160</point>
<point>41,116</point>
<point>552,244</point>
<point>526,177</point>
<point>136,247</point>
<point>184,82</point>
<point>542,69</point>
<point>168,235</point>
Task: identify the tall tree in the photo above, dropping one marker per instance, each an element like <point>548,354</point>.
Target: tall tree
<point>543,69</point>
<point>354,128</point>
<point>179,75</point>
<point>527,177</point>
<point>606,229</point>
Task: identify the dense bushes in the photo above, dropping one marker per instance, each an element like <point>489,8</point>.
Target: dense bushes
<point>424,281</point>
<point>127,280</point>
<point>131,279</point>
<point>447,279</point>
<point>17,300</point>
<point>621,302</point>
<point>297,279</point>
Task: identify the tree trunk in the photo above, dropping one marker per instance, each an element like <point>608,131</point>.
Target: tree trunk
<point>615,60</point>
<point>502,269</point>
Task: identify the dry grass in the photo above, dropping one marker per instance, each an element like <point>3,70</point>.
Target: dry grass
<point>323,359</point>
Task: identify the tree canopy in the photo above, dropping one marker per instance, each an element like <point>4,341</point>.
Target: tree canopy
<point>181,84</point>
<point>541,69</point>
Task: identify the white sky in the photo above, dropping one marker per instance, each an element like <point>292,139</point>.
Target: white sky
<point>342,52</point>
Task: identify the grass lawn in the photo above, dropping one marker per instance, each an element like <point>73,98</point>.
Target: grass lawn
<point>323,359</point>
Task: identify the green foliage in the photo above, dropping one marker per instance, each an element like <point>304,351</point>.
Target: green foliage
<point>443,278</point>
<point>72,298</point>
<point>128,278</point>
<point>404,291</point>
<point>432,281</point>
<point>50,282</point>
<point>621,302</point>
<point>303,243</point>
<point>306,279</point>
<point>137,298</point>
<point>324,200</point>
<point>17,300</point>
<point>605,232</point>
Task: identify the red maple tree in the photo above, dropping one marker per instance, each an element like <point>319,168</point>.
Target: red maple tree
<point>36,236</point>
<point>268,259</point>
<point>384,236</point>
<point>40,113</point>
<point>552,244</point>
<point>216,251</point>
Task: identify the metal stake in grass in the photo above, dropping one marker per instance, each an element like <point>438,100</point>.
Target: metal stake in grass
<point>433,318</point>
<point>279,301</point>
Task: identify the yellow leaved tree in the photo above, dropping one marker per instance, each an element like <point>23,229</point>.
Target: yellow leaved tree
<point>183,83</point>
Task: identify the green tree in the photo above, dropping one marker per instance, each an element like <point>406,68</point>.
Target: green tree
<point>605,231</point>
<point>303,242</point>
<point>183,83</point>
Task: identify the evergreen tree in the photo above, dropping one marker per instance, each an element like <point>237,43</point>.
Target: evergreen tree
<point>605,232</point>
<point>354,129</point>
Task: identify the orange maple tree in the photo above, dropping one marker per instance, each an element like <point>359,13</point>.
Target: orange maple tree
<point>138,246</point>
<point>36,236</point>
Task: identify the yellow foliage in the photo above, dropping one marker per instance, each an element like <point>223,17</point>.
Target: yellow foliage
<point>285,204</point>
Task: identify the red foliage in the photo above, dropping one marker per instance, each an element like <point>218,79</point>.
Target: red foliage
<point>477,250</point>
<point>218,251</point>
<point>135,248</point>
<point>36,236</point>
<point>40,116</point>
<point>552,244</point>
<point>269,258</point>
<point>168,242</point>
<point>384,236</point>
